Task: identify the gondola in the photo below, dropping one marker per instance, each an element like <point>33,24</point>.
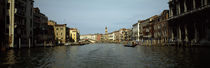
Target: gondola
<point>130,44</point>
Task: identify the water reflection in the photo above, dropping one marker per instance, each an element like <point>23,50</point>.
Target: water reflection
<point>10,57</point>
<point>105,56</point>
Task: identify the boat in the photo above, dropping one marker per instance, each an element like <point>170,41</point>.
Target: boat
<point>130,44</point>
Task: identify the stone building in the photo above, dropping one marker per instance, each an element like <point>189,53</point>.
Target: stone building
<point>20,23</point>
<point>113,36</point>
<point>60,33</point>
<point>3,22</point>
<point>148,30</point>
<point>51,23</point>
<point>125,34</point>
<point>161,33</point>
<point>137,29</point>
<point>40,28</point>
<point>189,21</point>
<point>116,36</point>
<point>74,34</point>
<point>99,37</point>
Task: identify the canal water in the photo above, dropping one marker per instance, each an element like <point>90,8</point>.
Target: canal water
<point>106,56</point>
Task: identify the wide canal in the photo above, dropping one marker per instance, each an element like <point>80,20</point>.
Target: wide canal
<point>106,56</point>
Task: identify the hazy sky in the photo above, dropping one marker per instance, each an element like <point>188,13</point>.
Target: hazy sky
<point>91,16</point>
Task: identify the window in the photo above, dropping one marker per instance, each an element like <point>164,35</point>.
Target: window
<point>61,28</point>
<point>56,28</point>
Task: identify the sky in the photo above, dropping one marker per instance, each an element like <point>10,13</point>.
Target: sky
<point>92,16</point>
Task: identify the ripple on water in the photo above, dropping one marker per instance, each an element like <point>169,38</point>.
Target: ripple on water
<point>105,56</point>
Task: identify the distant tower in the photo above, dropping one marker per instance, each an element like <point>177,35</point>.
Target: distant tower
<point>106,31</point>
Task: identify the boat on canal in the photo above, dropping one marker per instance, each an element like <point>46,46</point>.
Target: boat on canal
<point>130,44</point>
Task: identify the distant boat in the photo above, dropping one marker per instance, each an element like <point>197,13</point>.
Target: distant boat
<point>130,44</point>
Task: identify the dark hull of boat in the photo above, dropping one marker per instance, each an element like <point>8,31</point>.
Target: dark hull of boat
<point>130,45</point>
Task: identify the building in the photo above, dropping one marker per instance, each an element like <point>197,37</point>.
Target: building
<point>50,35</point>
<point>125,34</point>
<point>51,23</point>
<point>99,37</point>
<point>3,22</point>
<point>41,29</point>
<point>105,36</point>
<point>74,34</point>
<point>148,29</point>
<point>106,30</point>
<point>20,23</point>
<point>137,29</point>
<point>60,33</point>
<point>111,36</point>
<point>51,31</point>
<point>114,36</point>
<point>189,21</point>
<point>161,33</point>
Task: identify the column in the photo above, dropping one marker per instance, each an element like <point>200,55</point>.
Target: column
<point>186,34</point>
<point>29,43</point>
<point>185,6</point>
<point>12,21</point>
<point>196,33</point>
<point>172,34</point>
<point>171,11</point>
<point>138,31</point>
<point>205,2</point>
<point>194,3</point>
<point>178,8</point>
<point>180,34</point>
<point>19,42</point>
<point>208,32</point>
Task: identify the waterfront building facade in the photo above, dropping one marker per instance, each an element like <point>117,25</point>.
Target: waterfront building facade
<point>161,33</point>
<point>40,28</point>
<point>137,31</point>
<point>148,30</point>
<point>74,34</point>
<point>51,23</point>
<point>20,23</point>
<point>125,34</point>
<point>99,37</point>
<point>60,33</point>
<point>189,21</point>
<point>3,22</point>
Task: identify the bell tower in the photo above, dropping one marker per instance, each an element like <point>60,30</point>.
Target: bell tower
<point>106,31</point>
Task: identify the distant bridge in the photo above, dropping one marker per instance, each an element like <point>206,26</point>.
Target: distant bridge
<point>88,40</point>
